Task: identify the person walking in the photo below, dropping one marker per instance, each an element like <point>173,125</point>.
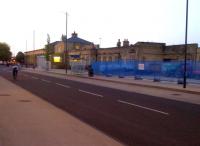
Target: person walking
<point>90,71</point>
<point>15,69</point>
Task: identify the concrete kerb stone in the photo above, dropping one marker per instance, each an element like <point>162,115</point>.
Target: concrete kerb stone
<point>128,83</point>
<point>149,86</point>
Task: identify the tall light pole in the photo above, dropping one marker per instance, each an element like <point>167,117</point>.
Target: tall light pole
<point>34,55</point>
<point>185,59</point>
<point>66,55</point>
<point>99,42</point>
<point>26,57</point>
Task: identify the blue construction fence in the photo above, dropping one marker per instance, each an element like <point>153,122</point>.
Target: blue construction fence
<point>172,69</point>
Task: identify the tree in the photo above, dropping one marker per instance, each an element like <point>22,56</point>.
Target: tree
<point>47,50</point>
<point>5,54</point>
<point>20,57</point>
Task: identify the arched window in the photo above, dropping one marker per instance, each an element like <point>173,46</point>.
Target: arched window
<point>104,58</point>
<point>99,58</point>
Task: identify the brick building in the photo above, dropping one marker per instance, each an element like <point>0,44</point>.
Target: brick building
<point>80,50</point>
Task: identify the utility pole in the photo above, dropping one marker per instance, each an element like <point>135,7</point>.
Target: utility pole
<point>26,45</point>
<point>26,56</point>
<point>99,42</point>
<point>34,55</point>
<point>47,52</point>
<point>185,60</point>
<point>66,53</point>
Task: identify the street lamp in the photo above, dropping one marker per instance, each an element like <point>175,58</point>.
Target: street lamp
<point>26,56</point>
<point>99,42</point>
<point>34,55</point>
<point>185,60</point>
<point>66,55</point>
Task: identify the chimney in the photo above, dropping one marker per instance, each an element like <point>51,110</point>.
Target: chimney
<point>125,43</point>
<point>74,34</point>
<point>119,43</point>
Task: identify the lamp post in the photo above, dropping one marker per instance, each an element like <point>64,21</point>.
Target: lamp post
<point>185,59</point>
<point>66,55</point>
<point>34,58</point>
<point>26,56</point>
<point>99,42</point>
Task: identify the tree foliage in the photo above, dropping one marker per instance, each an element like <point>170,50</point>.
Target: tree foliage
<point>20,57</point>
<point>5,54</point>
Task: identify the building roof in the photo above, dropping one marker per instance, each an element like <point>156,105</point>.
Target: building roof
<point>150,43</point>
<point>75,39</point>
<point>182,45</point>
<point>54,43</point>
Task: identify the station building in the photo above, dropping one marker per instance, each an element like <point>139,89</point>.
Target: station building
<point>86,52</point>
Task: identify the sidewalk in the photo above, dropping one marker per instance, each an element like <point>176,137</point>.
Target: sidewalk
<point>27,120</point>
<point>192,89</point>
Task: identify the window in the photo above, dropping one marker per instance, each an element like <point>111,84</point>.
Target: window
<point>104,58</point>
<point>99,58</point>
<point>110,58</point>
<point>77,47</point>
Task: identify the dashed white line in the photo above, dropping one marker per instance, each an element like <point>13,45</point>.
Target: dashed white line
<point>161,112</point>
<point>66,86</point>
<point>90,93</point>
<point>45,81</point>
<point>34,77</point>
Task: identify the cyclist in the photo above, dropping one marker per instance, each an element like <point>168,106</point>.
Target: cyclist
<point>15,69</point>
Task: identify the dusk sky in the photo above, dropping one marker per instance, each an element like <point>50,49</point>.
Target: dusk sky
<point>98,21</point>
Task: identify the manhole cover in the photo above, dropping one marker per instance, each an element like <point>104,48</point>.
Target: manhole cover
<point>4,95</point>
<point>176,94</point>
<point>24,100</point>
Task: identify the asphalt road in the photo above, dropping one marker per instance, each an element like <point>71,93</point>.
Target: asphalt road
<point>131,118</point>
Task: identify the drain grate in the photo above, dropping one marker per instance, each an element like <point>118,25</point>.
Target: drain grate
<point>4,95</point>
<point>23,100</point>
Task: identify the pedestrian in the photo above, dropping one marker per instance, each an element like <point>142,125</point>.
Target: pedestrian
<point>90,71</point>
<point>15,69</point>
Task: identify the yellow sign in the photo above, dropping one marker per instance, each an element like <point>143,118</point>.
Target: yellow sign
<point>56,59</point>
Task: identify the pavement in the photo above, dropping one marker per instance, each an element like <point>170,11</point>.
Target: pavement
<point>27,120</point>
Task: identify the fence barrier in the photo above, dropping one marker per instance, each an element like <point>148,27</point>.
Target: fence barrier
<point>172,70</point>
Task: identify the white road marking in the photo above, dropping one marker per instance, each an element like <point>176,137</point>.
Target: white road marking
<point>66,86</point>
<point>161,112</point>
<point>90,93</point>
<point>45,81</point>
<point>35,77</point>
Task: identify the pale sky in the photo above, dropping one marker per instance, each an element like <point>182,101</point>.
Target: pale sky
<point>97,21</point>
